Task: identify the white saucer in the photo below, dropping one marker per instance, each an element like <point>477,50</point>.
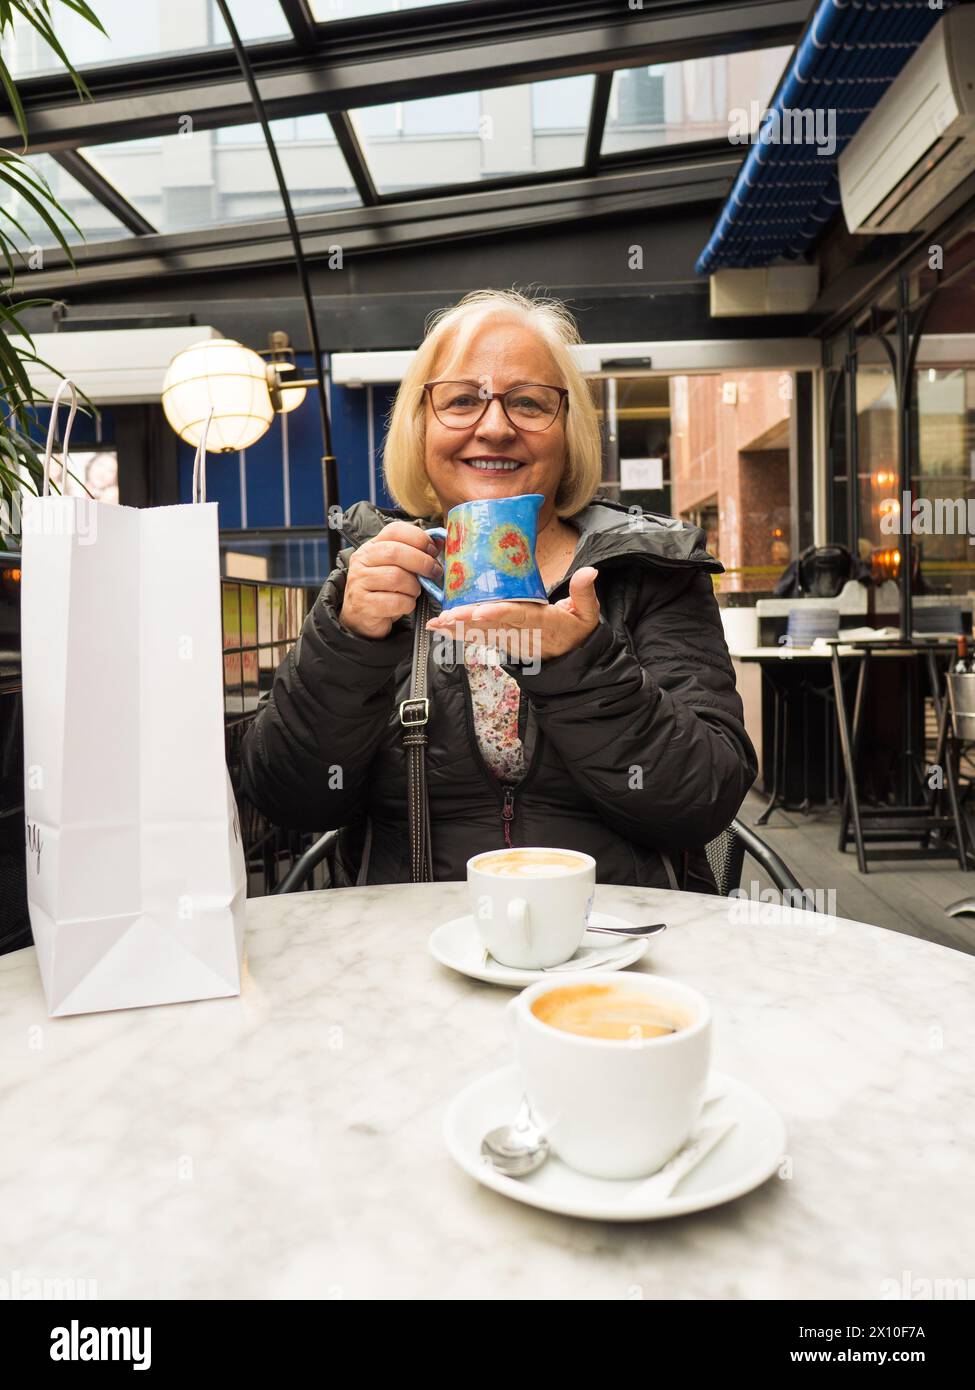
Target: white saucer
<point>457,944</point>
<point>744,1158</point>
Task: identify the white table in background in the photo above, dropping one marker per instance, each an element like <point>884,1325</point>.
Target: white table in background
<point>288,1143</point>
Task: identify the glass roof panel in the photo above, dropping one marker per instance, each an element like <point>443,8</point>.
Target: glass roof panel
<point>138,29</point>
<point>97,223</point>
<point>697,99</point>
<point>470,136</point>
<point>207,178</point>
<point>324,10</point>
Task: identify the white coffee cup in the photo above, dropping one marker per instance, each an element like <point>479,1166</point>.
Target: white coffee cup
<point>537,918</point>
<point>615,1108</point>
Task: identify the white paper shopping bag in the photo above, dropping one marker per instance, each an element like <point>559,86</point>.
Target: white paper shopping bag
<point>136,882</point>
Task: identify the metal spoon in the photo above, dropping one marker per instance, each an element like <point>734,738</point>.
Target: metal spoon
<point>518,1149</point>
<point>593,959</point>
<point>641,933</point>
<point>651,930</point>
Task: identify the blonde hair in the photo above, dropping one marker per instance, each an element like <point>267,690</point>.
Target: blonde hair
<point>404,467</point>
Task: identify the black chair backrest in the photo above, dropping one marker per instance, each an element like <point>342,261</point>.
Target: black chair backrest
<point>820,572</point>
<point>726,855</point>
<point>824,570</point>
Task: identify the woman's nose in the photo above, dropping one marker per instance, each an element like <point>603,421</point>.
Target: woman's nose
<point>494,424</point>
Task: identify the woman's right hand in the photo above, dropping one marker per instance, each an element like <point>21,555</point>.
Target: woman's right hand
<point>381,585</point>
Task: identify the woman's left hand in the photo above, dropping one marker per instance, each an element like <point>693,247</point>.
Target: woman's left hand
<point>528,631</point>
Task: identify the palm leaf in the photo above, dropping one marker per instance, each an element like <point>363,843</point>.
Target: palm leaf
<point>31,185</point>
<point>21,458</point>
<point>37,14</point>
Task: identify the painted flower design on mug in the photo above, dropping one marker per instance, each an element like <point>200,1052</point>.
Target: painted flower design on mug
<point>457,532</point>
<point>509,549</point>
<point>456,578</point>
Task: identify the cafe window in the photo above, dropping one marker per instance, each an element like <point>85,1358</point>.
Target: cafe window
<point>878,463</point>
<point>643,430</point>
<point>693,99</point>
<point>733,475</point>
<point>945,406</point>
<point>836,445</point>
<point>943,421</point>
<point>715,450</point>
<point>939,426</point>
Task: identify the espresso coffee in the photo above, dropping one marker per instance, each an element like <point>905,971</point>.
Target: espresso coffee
<point>607,1011</point>
<point>529,863</point>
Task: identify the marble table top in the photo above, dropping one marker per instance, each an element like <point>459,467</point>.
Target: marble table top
<point>288,1143</point>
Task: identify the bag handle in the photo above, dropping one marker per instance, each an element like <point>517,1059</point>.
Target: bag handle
<point>66,385</point>
<point>200,463</point>
<point>414,713</point>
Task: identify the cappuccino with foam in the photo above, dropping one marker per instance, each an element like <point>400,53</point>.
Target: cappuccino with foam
<point>530,863</point>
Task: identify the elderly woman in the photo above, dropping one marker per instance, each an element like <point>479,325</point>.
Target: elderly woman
<point>617,731</point>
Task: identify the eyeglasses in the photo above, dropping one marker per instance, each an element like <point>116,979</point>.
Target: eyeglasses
<point>458,404</point>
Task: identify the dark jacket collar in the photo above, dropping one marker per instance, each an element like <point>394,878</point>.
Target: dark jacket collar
<point>608,532</point>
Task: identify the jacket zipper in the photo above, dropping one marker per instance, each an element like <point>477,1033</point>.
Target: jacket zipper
<point>504,791</point>
<point>508,812</point>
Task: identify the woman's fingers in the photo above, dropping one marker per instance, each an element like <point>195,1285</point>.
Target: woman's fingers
<point>500,614</point>
<point>382,584</point>
<point>582,594</point>
<point>387,603</point>
<point>552,628</point>
<point>408,534</point>
<point>508,614</point>
<point>381,554</point>
<point>389,579</point>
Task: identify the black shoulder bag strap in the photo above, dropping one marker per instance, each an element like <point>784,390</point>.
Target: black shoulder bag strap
<point>414,713</point>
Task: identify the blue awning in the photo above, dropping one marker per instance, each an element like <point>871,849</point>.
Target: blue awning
<point>849,53</point>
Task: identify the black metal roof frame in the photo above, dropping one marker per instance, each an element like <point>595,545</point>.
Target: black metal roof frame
<point>387,227</point>
<point>330,67</point>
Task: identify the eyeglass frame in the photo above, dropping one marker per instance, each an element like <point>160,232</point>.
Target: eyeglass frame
<point>499,396</point>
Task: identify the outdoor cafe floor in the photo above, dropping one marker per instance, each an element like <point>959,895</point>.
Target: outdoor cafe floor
<point>903,895</point>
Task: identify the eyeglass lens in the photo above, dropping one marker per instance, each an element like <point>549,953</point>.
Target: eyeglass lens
<point>459,404</point>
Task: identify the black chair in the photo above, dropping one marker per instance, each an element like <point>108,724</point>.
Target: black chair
<point>303,868</point>
<point>271,852</point>
<point>726,855</point>
<point>820,572</point>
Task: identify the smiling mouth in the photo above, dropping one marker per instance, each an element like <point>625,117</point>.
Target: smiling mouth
<point>493,465</point>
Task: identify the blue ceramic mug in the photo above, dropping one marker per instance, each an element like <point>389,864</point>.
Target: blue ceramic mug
<point>489,552</point>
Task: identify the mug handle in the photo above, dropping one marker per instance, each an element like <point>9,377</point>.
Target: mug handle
<point>520,917</point>
<point>434,590</point>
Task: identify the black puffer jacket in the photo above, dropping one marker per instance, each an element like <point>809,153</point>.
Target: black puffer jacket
<point>634,742</point>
